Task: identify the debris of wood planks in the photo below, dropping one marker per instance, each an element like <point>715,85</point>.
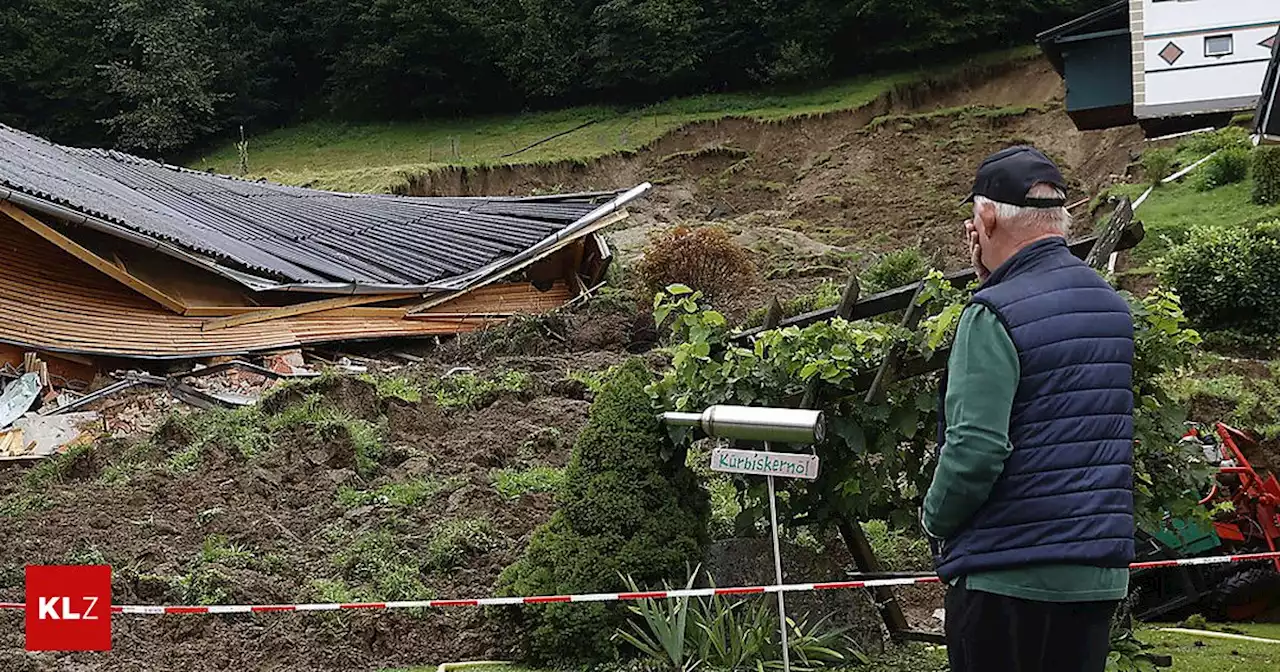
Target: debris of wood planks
<point>110,255</point>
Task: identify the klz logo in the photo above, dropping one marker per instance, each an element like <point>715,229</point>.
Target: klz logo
<point>68,608</point>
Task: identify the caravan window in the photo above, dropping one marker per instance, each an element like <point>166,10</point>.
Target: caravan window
<point>1218,45</point>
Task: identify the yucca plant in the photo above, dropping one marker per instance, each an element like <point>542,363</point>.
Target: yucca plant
<point>731,635</point>
<point>734,635</point>
<point>662,633</point>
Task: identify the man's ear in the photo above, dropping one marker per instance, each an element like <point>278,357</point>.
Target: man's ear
<point>986,219</point>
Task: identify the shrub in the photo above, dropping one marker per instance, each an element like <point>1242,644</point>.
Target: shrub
<point>704,258</point>
<point>897,549</point>
<point>895,269</point>
<point>1266,174</point>
<point>1228,166</point>
<point>628,506</point>
<point>1203,144</point>
<point>1157,164</point>
<point>1229,278</point>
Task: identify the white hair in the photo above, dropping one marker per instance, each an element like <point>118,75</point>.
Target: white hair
<point>1056,220</point>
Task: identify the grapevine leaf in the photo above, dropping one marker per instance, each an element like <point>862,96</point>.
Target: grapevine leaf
<point>848,429</point>
<point>905,420</point>
<point>926,402</point>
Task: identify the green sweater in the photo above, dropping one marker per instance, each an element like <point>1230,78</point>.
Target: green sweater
<point>982,379</point>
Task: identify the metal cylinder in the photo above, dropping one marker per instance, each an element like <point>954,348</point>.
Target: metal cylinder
<point>755,423</point>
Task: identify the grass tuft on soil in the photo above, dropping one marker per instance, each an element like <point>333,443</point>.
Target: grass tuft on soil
<point>396,495</point>
<point>471,391</point>
<point>515,483</point>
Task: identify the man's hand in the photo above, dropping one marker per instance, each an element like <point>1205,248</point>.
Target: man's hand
<point>975,251</point>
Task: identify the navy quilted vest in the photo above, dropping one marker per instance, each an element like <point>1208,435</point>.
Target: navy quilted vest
<point>1065,495</point>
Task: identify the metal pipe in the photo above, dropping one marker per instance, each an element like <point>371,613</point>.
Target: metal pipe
<point>755,423</point>
<point>777,572</point>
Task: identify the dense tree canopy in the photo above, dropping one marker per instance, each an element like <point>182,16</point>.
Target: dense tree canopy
<point>155,76</point>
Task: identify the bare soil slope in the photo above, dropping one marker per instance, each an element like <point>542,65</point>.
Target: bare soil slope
<point>888,175</point>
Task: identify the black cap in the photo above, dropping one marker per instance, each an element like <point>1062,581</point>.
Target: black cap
<point>1007,176</point>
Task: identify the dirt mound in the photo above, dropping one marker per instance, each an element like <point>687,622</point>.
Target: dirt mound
<point>302,519</point>
<point>847,186</point>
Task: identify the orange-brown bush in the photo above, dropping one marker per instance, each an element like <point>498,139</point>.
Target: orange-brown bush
<point>705,258</point>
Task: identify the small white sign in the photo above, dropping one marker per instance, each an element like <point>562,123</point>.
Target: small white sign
<point>788,465</point>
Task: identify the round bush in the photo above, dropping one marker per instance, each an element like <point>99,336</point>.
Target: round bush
<point>1229,278</point>
<point>704,258</point>
<point>628,506</point>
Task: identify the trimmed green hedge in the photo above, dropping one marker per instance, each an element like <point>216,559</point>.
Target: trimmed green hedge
<point>1266,174</point>
<point>1229,278</point>
<point>628,505</point>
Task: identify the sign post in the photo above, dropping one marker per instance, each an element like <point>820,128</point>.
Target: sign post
<point>768,425</point>
<point>769,464</point>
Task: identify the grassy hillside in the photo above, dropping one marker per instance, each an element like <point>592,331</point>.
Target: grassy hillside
<point>375,157</point>
<point>1173,209</point>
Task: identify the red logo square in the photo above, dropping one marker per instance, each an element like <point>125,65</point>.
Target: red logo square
<point>68,608</point>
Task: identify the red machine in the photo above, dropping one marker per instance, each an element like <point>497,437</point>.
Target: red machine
<point>1254,522</point>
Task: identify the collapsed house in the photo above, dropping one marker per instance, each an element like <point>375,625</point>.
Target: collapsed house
<point>108,255</point>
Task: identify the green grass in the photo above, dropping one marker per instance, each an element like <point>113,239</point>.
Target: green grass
<point>469,391</point>
<point>1210,654</point>
<point>378,157</point>
<point>454,540</point>
<point>898,550</point>
<point>398,495</point>
<point>1173,209</point>
<point>379,566</point>
<point>1250,398</point>
<point>394,387</point>
<point>19,504</point>
<point>514,483</point>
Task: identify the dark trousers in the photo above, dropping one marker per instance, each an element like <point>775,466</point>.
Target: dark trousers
<point>993,633</point>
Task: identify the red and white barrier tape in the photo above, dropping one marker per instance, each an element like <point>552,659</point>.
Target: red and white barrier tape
<point>604,597</point>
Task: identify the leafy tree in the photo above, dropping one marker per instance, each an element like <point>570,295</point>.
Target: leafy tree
<point>47,87</point>
<point>645,43</point>
<point>165,80</point>
<point>177,73</point>
<point>539,46</point>
<point>408,58</point>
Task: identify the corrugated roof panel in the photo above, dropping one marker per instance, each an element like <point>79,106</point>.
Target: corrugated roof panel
<point>291,234</point>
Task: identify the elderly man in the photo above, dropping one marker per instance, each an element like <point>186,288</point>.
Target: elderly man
<point>1031,507</point>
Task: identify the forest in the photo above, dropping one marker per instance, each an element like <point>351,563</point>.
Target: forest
<point>159,77</point>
